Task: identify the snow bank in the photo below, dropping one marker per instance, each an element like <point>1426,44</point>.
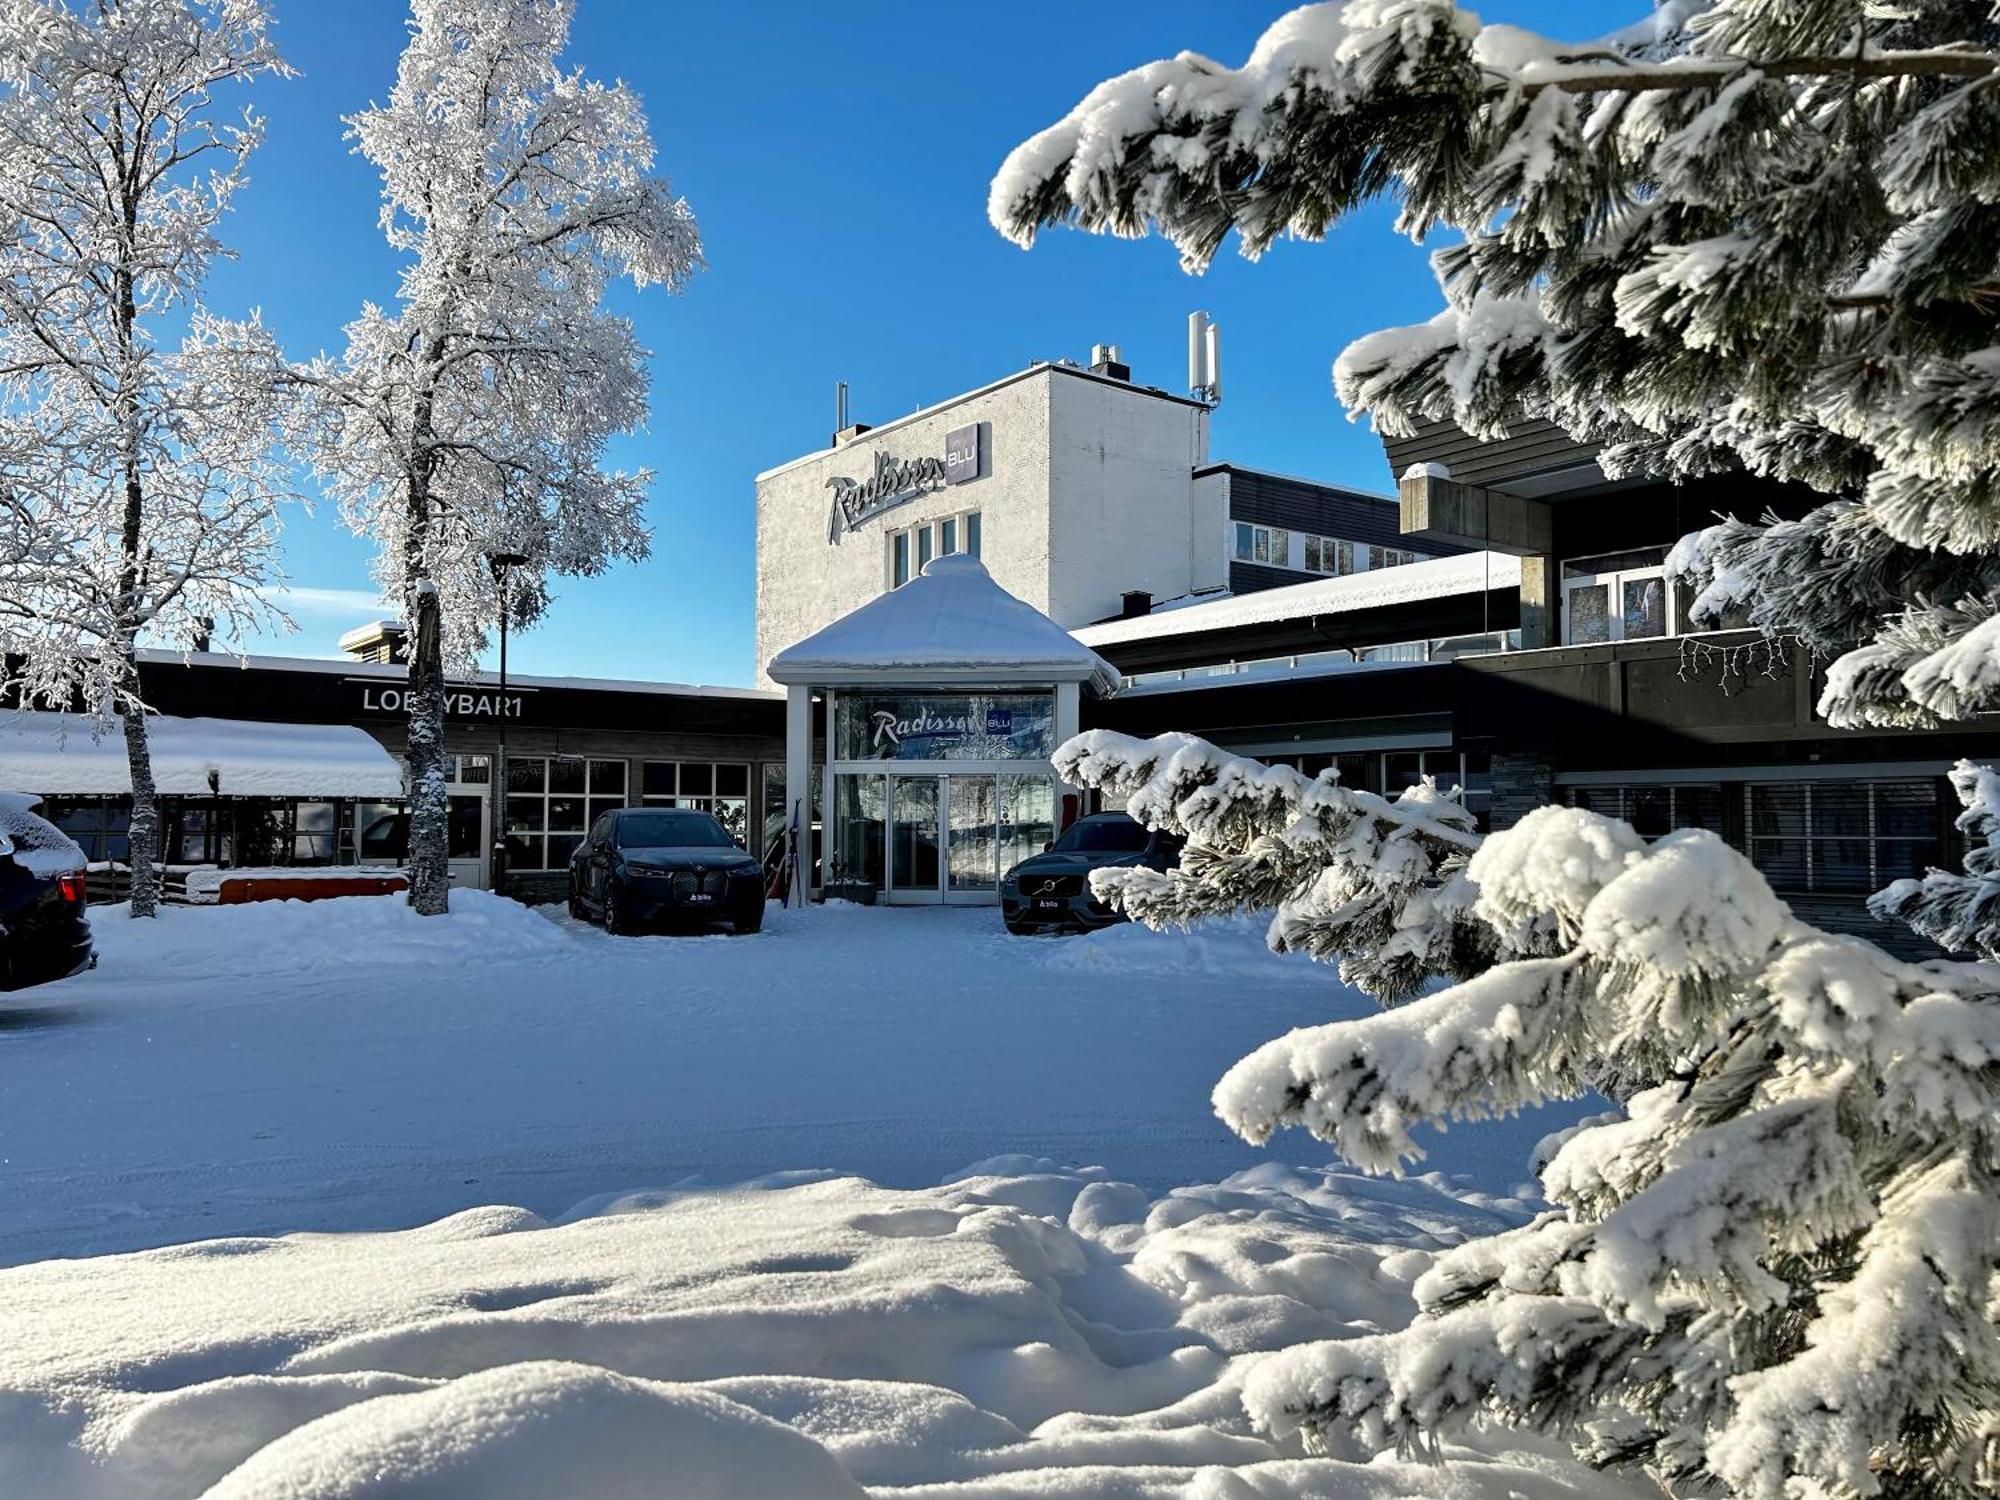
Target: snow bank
<point>535,1430</point>
<point>304,937</point>
<point>1022,1330</point>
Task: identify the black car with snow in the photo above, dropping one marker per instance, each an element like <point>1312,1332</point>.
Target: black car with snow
<point>643,866</point>
<point>44,933</point>
<point>1052,889</point>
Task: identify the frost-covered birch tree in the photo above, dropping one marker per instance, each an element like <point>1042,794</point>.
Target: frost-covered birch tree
<point>472,415</point>
<point>137,489</point>
<point>1750,235</point>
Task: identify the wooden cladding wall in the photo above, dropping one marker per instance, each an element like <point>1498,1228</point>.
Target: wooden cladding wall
<point>1532,446</point>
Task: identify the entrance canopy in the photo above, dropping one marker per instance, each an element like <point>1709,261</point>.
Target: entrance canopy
<point>61,755</point>
<point>951,624</point>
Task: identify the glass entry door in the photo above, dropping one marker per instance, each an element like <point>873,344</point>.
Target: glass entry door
<point>973,837</point>
<point>914,866</point>
<point>947,839</point>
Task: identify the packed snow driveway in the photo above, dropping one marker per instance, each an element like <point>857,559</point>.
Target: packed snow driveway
<point>261,1069</point>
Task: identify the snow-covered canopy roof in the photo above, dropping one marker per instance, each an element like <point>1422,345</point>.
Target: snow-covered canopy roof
<point>1434,578</point>
<point>58,755</point>
<point>952,624</point>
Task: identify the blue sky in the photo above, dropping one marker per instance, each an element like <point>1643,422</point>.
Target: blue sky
<point>837,158</point>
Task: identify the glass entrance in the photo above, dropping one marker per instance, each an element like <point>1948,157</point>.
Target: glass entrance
<point>913,838</point>
<point>973,836</point>
<point>949,837</point>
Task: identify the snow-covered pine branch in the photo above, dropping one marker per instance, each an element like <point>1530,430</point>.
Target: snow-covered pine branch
<point>138,484</point>
<point>1774,1267</point>
<point>1743,236</point>
<point>471,416</point>
<point>1347,874</point>
<point>1791,1091</point>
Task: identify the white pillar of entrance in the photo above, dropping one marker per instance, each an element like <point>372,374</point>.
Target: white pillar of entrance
<point>1069,722</point>
<point>798,785</point>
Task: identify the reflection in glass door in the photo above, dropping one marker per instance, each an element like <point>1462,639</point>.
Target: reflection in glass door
<point>913,850</point>
<point>974,833</point>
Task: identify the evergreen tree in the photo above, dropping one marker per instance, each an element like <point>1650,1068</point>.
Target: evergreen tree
<point>1776,1268</point>
<point>1758,235</point>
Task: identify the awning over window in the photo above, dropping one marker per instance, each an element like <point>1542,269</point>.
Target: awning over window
<point>60,755</point>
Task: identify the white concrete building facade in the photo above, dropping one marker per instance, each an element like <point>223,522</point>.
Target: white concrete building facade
<point>1073,487</point>
<point>1085,495</point>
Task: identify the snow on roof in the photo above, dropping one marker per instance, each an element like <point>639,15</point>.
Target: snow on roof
<point>347,666</point>
<point>56,754</point>
<point>953,622</point>
<point>1434,578</point>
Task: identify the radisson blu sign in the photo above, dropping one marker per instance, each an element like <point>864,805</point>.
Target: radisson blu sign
<point>897,481</point>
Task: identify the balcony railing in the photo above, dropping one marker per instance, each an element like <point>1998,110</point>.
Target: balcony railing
<point>1436,648</point>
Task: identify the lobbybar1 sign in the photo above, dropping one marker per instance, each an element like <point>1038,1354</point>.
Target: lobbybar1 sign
<point>897,481</point>
<point>459,702</point>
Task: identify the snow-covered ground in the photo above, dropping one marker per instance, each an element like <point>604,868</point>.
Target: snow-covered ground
<point>1060,1321</point>
<point>264,1068</point>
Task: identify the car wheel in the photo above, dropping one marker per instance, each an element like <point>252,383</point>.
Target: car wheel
<point>751,917</point>
<point>614,919</point>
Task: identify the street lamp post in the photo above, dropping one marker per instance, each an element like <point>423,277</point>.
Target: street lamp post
<point>502,564</point>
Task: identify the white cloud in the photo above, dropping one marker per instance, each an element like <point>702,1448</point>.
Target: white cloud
<point>359,605</point>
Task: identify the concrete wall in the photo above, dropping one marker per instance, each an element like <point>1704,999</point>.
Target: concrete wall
<point>1123,511</point>
<point>1092,471</point>
<point>805,583</point>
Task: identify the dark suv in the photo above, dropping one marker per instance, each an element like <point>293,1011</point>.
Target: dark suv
<point>647,865</point>
<point>1052,889</point>
<point>44,934</point>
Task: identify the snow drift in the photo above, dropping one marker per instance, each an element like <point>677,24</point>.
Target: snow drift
<point>1021,1330</point>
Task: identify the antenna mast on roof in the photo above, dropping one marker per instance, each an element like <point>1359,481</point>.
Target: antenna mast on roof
<point>1204,359</point>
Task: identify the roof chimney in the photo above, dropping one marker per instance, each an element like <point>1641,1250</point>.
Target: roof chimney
<point>1134,603</point>
<point>1104,360</point>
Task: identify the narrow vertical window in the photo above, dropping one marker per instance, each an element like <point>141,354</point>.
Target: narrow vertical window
<point>923,547</point>
<point>948,536</point>
<point>899,566</point>
<point>1245,542</point>
<point>972,533</point>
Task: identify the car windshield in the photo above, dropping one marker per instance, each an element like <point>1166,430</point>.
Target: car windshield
<point>671,830</point>
<point>1103,836</point>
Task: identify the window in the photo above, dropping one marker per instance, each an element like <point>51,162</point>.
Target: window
<point>1332,555</point>
<point>1391,557</point>
<point>1623,597</point>
<point>1263,544</point>
<point>939,538</point>
<point>718,787</point>
<point>97,824</point>
<point>1843,836</point>
<point>1472,775</point>
<point>551,801</point>
<point>1655,811</point>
